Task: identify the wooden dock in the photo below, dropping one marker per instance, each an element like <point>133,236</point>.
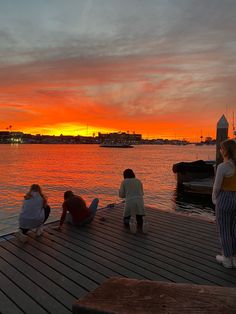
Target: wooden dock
<point>47,274</point>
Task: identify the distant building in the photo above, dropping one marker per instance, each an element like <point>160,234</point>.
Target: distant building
<point>5,136</point>
<point>120,137</point>
<point>11,137</point>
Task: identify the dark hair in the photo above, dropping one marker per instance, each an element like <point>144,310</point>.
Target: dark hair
<point>68,194</point>
<point>229,146</point>
<point>128,174</point>
<point>34,188</point>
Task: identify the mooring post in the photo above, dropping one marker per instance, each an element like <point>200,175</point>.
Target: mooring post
<point>221,135</point>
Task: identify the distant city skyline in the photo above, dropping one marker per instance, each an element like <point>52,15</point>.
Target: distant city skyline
<point>165,69</point>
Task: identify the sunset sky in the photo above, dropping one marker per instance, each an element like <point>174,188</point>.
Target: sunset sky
<point>163,68</point>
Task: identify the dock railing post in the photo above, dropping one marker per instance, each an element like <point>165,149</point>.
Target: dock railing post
<point>221,135</point>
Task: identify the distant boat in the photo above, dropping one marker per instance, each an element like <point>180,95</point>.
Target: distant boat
<point>199,144</point>
<point>116,145</point>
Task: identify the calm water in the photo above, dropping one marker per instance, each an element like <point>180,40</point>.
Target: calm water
<point>92,171</point>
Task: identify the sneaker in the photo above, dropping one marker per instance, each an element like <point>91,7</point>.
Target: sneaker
<point>21,237</point>
<point>225,261</point>
<point>132,225</point>
<point>39,231</point>
<point>145,226</point>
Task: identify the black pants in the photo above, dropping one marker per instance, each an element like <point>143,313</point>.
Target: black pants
<point>47,210</point>
<point>139,219</point>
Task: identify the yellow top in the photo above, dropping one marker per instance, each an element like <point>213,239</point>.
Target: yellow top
<point>229,183</point>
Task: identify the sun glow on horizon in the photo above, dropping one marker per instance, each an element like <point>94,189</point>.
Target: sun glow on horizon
<point>67,129</point>
<point>89,130</point>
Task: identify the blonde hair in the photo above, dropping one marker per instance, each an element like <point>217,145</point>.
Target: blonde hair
<point>35,188</point>
<point>229,147</point>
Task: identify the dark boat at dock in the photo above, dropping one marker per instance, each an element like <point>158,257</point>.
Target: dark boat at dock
<point>191,171</point>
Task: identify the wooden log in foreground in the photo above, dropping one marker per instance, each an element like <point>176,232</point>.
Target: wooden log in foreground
<point>126,296</point>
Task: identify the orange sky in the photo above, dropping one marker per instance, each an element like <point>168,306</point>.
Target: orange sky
<point>159,69</point>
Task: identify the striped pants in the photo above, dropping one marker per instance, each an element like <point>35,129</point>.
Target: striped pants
<point>226,221</point>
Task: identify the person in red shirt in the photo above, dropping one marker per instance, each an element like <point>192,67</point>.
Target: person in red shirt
<point>75,210</point>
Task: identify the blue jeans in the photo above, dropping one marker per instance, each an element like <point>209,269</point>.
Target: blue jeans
<point>93,208</point>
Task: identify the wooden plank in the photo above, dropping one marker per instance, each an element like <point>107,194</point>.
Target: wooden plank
<point>37,293</point>
<point>189,226</point>
<point>196,223</point>
<point>137,259</point>
<point>76,260</point>
<point>57,261</point>
<point>26,253</point>
<point>120,295</point>
<point>7,306</point>
<point>177,252</point>
<point>166,256</point>
<point>174,226</point>
<point>159,263</point>
<point>170,232</point>
<point>186,228</point>
<point>93,256</point>
<point>86,274</point>
<point>53,290</point>
<point>175,244</point>
<point>166,236</point>
<point>23,300</point>
<point>100,265</point>
<point>114,253</point>
<point>98,249</point>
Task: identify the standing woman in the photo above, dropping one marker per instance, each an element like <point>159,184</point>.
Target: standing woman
<point>131,189</point>
<point>224,197</point>
<point>34,212</point>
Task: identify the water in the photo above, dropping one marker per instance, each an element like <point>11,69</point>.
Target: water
<point>92,171</point>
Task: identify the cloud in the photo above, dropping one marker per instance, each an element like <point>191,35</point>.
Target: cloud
<point>148,66</point>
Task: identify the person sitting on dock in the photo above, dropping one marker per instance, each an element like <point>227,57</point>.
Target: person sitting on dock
<point>75,210</point>
<point>131,189</point>
<point>35,211</point>
<point>224,197</point>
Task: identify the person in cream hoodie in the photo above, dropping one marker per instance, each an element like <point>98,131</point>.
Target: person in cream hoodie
<point>131,189</point>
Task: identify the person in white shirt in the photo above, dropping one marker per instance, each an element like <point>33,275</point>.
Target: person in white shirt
<point>224,197</point>
<point>131,189</point>
<point>35,211</point>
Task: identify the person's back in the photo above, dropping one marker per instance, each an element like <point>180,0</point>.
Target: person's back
<point>131,188</point>
<point>32,207</point>
<point>75,210</point>
<point>32,213</point>
<point>76,206</point>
